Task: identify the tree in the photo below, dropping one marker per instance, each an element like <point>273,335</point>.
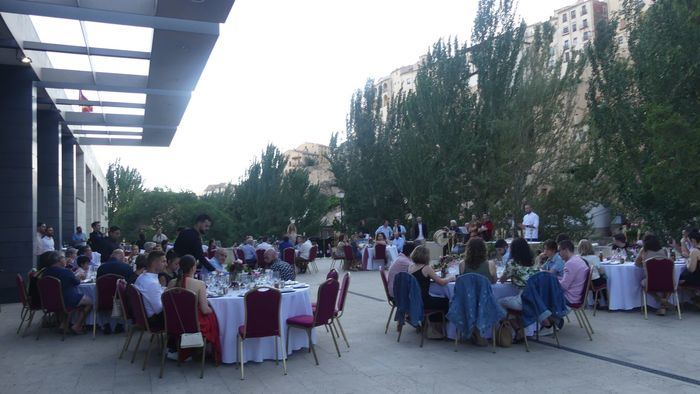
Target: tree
<point>123,185</point>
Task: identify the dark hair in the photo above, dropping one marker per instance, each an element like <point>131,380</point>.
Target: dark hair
<point>81,250</point>
<point>566,244</point>
<point>47,259</point>
<point>652,243</point>
<point>408,248</point>
<point>179,229</point>
<point>211,241</point>
<point>475,253</point>
<point>40,224</point>
<point>520,252</point>
<point>202,217</point>
<point>187,262</point>
<point>263,238</point>
<point>94,223</point>
<point>694,234</point>
<point>285,238</point>
<point>501,243</point>
<point>153,256</point>
<point>562,237</point>
<point>113,229</point>
<point>551,245</point>
<point>82,260</point>
<point>620,237</point>
<point>170,255</point>
<point>141,261</point>
<point>376,237</point>
<point>341,238</point>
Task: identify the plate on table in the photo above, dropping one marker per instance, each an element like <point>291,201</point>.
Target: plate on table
<point>286,290</point>
<point>300,286</point>
<point>291,282</point>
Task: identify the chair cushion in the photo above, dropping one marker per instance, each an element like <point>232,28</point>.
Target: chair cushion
<point>301,320</point>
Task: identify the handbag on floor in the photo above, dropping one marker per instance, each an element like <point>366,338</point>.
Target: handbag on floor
<point>504,334</point>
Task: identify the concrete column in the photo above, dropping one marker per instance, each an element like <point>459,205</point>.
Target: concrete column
<point>88,197</point>
<point>68,189</point>
<point>50,171</point>
<point>18,176</point>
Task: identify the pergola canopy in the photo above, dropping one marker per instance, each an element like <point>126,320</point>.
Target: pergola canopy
<point>135,63</point>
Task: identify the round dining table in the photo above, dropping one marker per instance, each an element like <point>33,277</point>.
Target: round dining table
<point>230,313</point>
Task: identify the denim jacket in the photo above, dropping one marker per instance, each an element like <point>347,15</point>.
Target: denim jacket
<point>543,298</point>
<point>408,299</point>
<point>473,305</point>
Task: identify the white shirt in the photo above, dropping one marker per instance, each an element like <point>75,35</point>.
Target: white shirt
<point>149,286</point>
<point>160,238</point>
<point>531,219</point>
<point>46,244</point>
<point>305,250</point>
<point>420,236</point>
<point>96,259</point>
<point>263,246</point>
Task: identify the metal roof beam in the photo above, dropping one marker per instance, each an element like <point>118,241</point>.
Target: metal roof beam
<point>81,50</point>
<point>111,88</point>
<point>103,132</point>
<point>105,16</point>
<point>109,141</point>
<point>99,103</point>
<point>99,78</point>
<point>120,120</point>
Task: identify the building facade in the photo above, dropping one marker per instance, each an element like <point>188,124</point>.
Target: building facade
<point>314,159</point>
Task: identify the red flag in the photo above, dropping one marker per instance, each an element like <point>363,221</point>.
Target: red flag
<point>81,97</point>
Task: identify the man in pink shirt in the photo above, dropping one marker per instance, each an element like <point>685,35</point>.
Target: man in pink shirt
<point>401,264</point>
<point>575,273</point>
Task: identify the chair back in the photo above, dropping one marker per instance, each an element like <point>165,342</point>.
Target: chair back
<point>121,293</point>
<point>326,301</point>
<point>138,310</point>
<point>473,305</point>
<point>380,252</point>
<point>385,282</point>
<point>660,276</point>
<point>288,255</point>
<point>313,253</point>
<point>262,313</point>
<point>586,286</point>
<point>259,253</point>
<point>407,298</point>
<point>332,274</point>
<point>344,285</point>
<point>22,291</point>
<point>106,287</point>
<point>180,311</point>
<point>240,254</point>
<point>51,294</point>
<point>33,295</point>
<point>347,251</point>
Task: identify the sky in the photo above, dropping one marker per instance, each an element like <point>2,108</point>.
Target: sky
<point>283,72</point>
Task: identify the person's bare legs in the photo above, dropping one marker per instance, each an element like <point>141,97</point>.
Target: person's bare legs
<point>82,314</point>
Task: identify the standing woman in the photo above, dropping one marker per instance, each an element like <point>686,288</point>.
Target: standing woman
<point>211,249</point>
<point>208,324</point>
<point>292,230</point>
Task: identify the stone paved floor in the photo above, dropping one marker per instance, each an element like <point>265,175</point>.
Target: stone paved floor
<point>376,363</point>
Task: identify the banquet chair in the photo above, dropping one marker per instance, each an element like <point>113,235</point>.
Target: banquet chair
<point>579,307</point>
<point>239,254</point>
<point>28,308</point>
<point>345,284</point>
<point>404,282</point>
<point>138,311</point>
<point>389,298</point>
<point>335,257</point>
<point>660,278</point>
<point>473,303</point>
<point>380,253</point>
<point>126,315</point>
<point>312,257</point>
<point>596,294</point>
<point>262,319</point>
<point>288,255</point>
<point>323,316</point>
<point>332,274</point>
<point>349,261</point>
<point>52,302</point>
<point>180,307</point>
<point>518,315</point>
<point>105,289</point>
<point>259,256</point>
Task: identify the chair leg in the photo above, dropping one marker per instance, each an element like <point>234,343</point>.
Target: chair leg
<point>493,338</point>
<point>287,339</point>
<point>127,342</point>
<point>567,319</point>
<point>311,345</point>
<point>335,328</point>
<point>284,356</point>
<point>556,335</point>
<point>578,319</point>
<point>148,352</point>
<point>391,312</point>
<point>588,323</point>
<point>457,336</point>
<point>522,325</point>
<point>644,303</point>
<point>277,352</point>
<point>29,323</point>
<point>39,330</point>
<point>94,322</point>
<point>204,355</point>
<point>163,352</point>
<point>240,355</point>
<point>136,349</point>
<point>595,302</point>
<point>678,304</point>
<point>335,342</point>
<point>400,331</point>
<point>424,326</point>
<point>22,315</point>
<point>343,332</point>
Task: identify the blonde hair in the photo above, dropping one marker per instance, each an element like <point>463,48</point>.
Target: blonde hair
<point>585,247</point>
<point>420,255</point>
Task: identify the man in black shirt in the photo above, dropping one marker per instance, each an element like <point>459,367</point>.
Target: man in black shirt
<point>110,243</point>
<point>189,241</point>
<point>95,236</point>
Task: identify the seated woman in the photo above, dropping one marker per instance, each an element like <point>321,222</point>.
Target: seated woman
<point>83,263</point>
<point>519,269</point>
<point>585,250</point>
<point>620,247</point>
<point>550,260</point>
<point>652,250</point>
<point>691,275</point>
<point>502,252</point>
<point>206,316</point>
<point>380,239</point>
<point>72,297</point>
<point>423,272</point>
<point>135,252</point>
<point>475,260</point>
<point>171,268</point>
<point>473,227</point>
<point>211,249</point>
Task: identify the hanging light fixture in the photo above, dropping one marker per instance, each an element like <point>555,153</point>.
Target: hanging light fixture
<point>24,59</point>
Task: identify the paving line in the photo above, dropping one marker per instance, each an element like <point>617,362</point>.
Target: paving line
<point>624,363</point>
<point>366,296</point>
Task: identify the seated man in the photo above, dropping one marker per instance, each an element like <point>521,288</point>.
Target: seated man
<point>217,263</point>
<point>117,265</point>
<point>401,264</point>
<point>574,278</point>
<point>285,244</point>
<point>149,286</point>
<point>553,263</point>
<point>398,241</point>
<point>249,252</point>
<point>72,296</point>
<point>285,269</point>
<point>304,250</point>
<point>263,244</point>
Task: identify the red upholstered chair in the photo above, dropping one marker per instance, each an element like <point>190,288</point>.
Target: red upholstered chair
<point>52,302</point>
<point>126,315</point>
<point>332,274</point>
<point>259,257</point>
<point>105,288</point>
<point>579,307</point>
<point>240,254</point>
<point>660,278</point>
<point>262,319</point>
<point>312,257</point>
<point>138,310</point>
<point>345,284</point>
<point>596,294</point>
<point>349,258</point>
<point>323,316</point>
<point>380,253</point>
<point>28,309</point>
<point>180,316</point>
<point>389,298</point>
<point>288,255</point>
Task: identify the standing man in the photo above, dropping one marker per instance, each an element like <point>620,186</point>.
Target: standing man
<point>95,236</point>
<point>38,244</point>
<point>47,242</point>
<point>530,224</point>
<point>420,231</point>
<point>486,228</point>
<point>110,243</point>
<point>159,238</point>
<point>79,238</point>
<point>398,227</point>
<point>384,229</point>
<point>189,241</point>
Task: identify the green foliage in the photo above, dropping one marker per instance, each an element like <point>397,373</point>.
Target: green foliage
<point>123,185</point>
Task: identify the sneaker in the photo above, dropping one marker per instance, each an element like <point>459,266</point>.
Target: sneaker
<point>546,331</point>
<point>171,356</point>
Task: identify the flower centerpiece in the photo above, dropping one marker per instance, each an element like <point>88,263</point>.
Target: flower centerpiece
<point>447,261</point>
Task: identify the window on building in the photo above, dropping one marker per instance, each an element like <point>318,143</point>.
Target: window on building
<point>565,31</point>
<point>573,27</point>
<point>586,36</point>
<point>567,57</point>
<point>573,14</point>
<point>574,43</point>
<point>566,44</point>
<point>620,40</point>
<point>563,18</point>
<point>584,24</point>
<point>584,11</point>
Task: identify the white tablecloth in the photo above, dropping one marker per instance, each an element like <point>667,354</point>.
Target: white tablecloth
<point>500,290</point>
<point>624,285</point>
<point>89,289</point>
<point>368,258</point>
<point>230,312</point>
